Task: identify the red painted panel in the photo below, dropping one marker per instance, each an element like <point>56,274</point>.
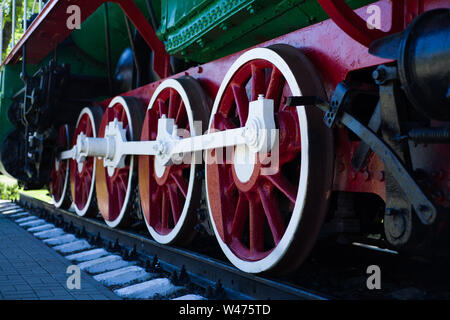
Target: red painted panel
<point>334,54</point>
<point>332,51</point>
<point>356,27</point>
<point>50,28</point>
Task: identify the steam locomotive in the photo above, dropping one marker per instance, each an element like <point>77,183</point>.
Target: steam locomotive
<point>263,124</point>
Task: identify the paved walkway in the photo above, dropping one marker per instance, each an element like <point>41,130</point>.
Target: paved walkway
<point>31,270</point>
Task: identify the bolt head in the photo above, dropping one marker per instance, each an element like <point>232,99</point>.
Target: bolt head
<point>379,75</point>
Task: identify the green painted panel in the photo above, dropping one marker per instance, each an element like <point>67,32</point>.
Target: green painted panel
<point>204,30</point>
<point>10,83</point>
<point>91,37</point>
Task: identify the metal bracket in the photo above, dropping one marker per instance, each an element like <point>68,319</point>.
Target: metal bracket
<point>336,104</point>
<point>423,207</point>
<point>361,153</point>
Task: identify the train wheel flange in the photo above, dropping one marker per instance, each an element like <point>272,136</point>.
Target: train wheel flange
<point>169,193</point>
<point>116,187</point>
<point>60,174</point>
<point>267,216</point>
<point>82,173</point>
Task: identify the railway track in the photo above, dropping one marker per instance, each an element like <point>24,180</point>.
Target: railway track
<point>136,267</point>
<point>332,272</point>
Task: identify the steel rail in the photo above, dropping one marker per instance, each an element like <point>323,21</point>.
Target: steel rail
<point>202,270</point>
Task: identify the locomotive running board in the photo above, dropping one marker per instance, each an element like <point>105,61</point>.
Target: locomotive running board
<point>423,207</point>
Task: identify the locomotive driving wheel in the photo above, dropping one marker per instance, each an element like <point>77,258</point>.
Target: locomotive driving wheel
<point>170,193</point>
<point>59,175</point>
<point>82,174</point>
<point>267,209</point>
<point>116,187</point>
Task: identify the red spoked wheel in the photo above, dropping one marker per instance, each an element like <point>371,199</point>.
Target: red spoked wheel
<point>267,209</point>
<point>59,175</point>
<point>82,174</point>
<point>169,194</point>
<point>116,188</point>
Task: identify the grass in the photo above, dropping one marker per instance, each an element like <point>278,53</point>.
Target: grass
<point>9,190</point>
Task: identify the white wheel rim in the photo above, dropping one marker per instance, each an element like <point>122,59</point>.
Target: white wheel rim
<point>281,249</point>
<point>172,235</point>
<point>115,223</point>
<point>81,212</point>
<point>59,203</point>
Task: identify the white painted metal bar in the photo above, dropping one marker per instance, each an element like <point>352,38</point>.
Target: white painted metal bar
<point>220,139</point>
<point>257,135</point>
<point>139,148</point>
<point>98,147</point>
<point>25,10</point>
<point>13,21</point>
<point>68,154</point>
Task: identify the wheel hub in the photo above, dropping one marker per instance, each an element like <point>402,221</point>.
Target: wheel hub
<point>243,163</point>
<point>159,169</point>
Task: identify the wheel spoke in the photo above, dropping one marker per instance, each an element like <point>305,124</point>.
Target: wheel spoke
<point>174,102</point>
<point>230,189</point>
<point>273,215</point>
<point>241,100</point>
<point>174,203</point>
<point>290,141</point>
<point>111,201</point>
<point>165,210</point>
<point>116,113</point>
<point>83,193</point>
<point>77,189</point>
<point>162,107</point>
<point>256,223</point>
<point>240,216</point>
<point>120,196</point>
<point>258,82</point>
<point>88,173</point>
<point>155,207</point>
<point>222,123</point>
<point>88,128</point>
<point>122,178</point>
<point>180,182</point>
<point>87,186</point>
<point>122,116</point>
<point>275,88</point>
<point>181,118</point>
<point>279,181</point>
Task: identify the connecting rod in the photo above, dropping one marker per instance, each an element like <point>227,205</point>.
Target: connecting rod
<point>259,134</point>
